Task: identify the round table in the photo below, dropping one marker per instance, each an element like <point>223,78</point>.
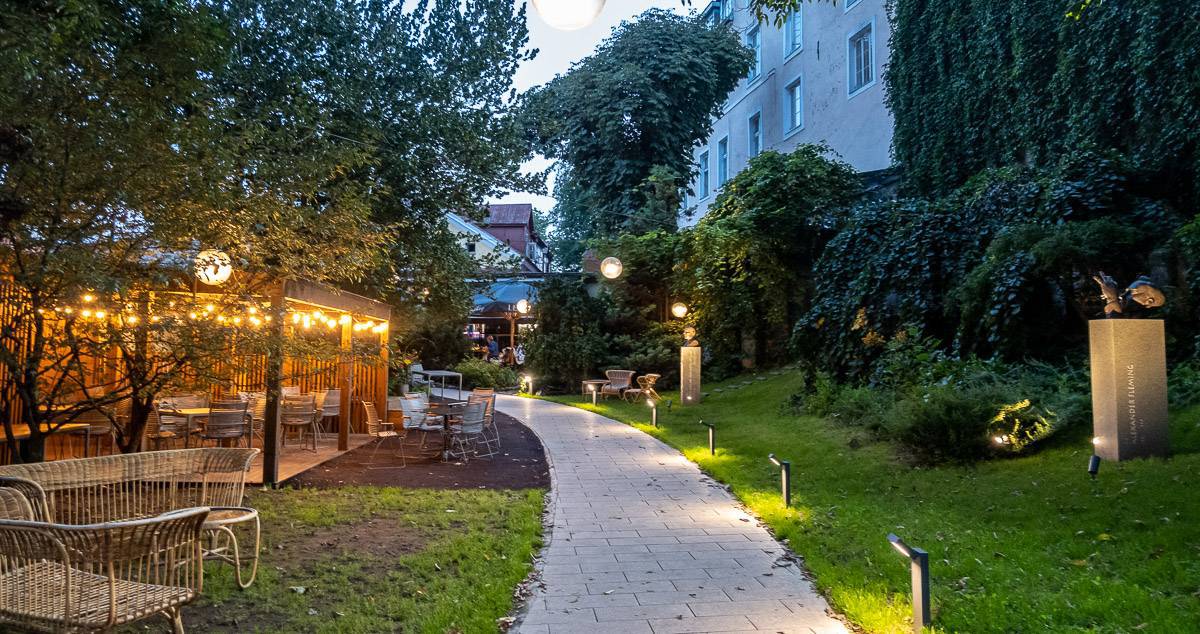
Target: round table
<point>220,523</point>
<point>595,384</point>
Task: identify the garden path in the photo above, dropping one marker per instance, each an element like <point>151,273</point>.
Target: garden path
<point>642,541</point>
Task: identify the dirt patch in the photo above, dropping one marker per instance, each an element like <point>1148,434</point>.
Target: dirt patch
<point>380,537</point>
<point>521,464</point>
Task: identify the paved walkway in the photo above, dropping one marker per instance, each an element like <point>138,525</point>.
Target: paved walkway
<point>642,541</point>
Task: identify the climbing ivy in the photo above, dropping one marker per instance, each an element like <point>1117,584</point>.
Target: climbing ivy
<point>978,84</point>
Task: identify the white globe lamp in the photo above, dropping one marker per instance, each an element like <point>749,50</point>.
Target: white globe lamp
<point>523,306</point>
<point>611,268</point>
<point>679,309</point>
<point>568,15</point>
<point>213,267</point>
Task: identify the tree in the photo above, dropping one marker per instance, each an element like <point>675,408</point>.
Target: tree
<point>641,102</point>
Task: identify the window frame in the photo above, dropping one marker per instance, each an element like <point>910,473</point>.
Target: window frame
<point>795,117</point>
<point>793,42</point>
<point>726,9</point>
<point>850,4</point>
<point>754,134</point>
<point>722,161</point>
<point>868,26</point>
<point>703,177</point>
<point>757,68</point>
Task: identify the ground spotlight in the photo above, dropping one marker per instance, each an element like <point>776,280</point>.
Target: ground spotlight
<point>653,411</point>
<point>919,560</point>
<point>712,438</point>
<point>1094,466</point>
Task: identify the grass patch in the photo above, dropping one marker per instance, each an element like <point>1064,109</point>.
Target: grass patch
<point>379,560</point>
<point>1028,544</point>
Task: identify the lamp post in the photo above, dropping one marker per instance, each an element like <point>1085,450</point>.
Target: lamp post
<point>919,560</point>
<point>611,268</point>
<point>679,310</point>
<point>653,411</point>
<point>528,384</point>
<point>785,477</point>
<point>1093,466</point>
<point>712,438</point>
<point>592,387</point>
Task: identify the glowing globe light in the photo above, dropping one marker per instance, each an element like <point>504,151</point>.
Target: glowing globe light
<point>523,307</point>
<point>679,309</point>
<point>611,268</point>
<point>213,267</point>
<point>568,15</point>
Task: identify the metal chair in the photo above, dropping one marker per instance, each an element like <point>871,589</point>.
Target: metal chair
<point>488,396</point>
<point>298,413</point>
<point>467,432</point>
<point>416,418</point>
<point>99,425</point>
<point>226,421</point>
<point>256,414</point>
<point>381,431</point>
<point>331,407</point>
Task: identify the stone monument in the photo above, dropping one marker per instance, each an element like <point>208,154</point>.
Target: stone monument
<point>689,368</point>
<point>1129,373</point>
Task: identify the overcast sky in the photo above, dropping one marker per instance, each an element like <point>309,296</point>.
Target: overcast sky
<point>559,49</point>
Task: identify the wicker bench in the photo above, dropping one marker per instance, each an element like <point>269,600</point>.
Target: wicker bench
<point>90,544</point>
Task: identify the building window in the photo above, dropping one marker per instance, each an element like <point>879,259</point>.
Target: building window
<point>754,135</point>
<point>470,247</point>
<point>861,53</point>
<point>726,9</point>
<point>754,43</point>
<point>702,181</point>
<point>795,104</point>
<point>793,33</point>
<point>850,5</point>
<point>722,161</point>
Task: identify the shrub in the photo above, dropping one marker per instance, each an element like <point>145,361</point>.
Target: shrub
<point>480,373</point>
<point>946,424</point>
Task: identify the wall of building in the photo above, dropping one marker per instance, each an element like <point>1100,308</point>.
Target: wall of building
<point>857,127</point>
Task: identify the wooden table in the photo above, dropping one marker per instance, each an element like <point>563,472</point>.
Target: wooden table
<point>21,433</point>
<point>190,414</point>
<point>445,410</point>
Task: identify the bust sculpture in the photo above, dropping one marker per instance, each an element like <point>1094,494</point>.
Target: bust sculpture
<point>1142,292</point>
<point>689,338</point>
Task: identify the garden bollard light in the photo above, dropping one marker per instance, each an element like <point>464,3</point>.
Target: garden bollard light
<point>785,477</point>
<point>653,411</point>
<point>529,385</point>
<point>712,438</point>
<point>593,389</point>
<point>668,405</point>
<point>919,560</point>
<point>1094,466</point>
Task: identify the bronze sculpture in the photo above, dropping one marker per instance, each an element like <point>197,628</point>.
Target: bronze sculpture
<point>689,338</point>
<point>1142,292</point>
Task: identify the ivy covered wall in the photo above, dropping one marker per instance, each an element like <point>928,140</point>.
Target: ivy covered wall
<point>977,84</point>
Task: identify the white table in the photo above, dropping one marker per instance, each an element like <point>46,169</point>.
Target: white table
<point>443,375</point>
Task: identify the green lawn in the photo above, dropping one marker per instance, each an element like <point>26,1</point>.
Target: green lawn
<point>1021,545</point>
<point>379,560</point>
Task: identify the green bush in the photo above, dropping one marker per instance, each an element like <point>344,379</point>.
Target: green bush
<point>946,424</point>
<point>480,373</point>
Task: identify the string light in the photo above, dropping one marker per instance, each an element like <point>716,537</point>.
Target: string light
<point>88,298</point>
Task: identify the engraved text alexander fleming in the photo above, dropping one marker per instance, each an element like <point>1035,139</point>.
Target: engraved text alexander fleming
<point>1135,424</point>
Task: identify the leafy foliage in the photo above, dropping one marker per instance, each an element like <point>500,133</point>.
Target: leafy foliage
<point>569,343</point>
<point>481,373</point>
<point>641,102</point>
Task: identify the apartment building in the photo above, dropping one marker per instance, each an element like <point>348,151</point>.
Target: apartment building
<point>816,79</point>
<point>508,233</point>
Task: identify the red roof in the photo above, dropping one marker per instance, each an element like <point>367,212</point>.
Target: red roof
<point>514,214</point>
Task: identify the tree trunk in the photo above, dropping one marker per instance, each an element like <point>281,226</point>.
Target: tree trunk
<point>33,449</point>
<point>139,415</point>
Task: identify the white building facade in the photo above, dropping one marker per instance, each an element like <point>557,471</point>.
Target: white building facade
<point>816,79</point>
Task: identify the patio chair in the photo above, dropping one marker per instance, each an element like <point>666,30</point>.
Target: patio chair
<point>154,433</point>
<point>645,388</point>
<point>256,414</point>
<point>468,431</point>
<point>489,417</point>
<point>99,426</point>
<point>381,431</point>
<point>618,382</point>
<point>289,390</point>
<point>85,578</point>
<point>416,379</point>
<point>298,414</point>
<point>226,422</point>
<point>331,407</point>
<point>416,418</point>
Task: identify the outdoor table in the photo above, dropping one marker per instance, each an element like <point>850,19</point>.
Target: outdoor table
<point>445,410</point>
<point>443,374</point>
<point>21,432</point>
<point>220,522</point>
<point>596,383</point>
<point>190,414</point>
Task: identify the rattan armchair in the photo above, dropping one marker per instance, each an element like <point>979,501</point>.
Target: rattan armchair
<point>618,382</point>
<point>70,578</point>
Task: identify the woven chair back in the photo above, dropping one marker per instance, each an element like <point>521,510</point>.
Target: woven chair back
<point>374,424</point>
<point>619,379</point>
<point>331,404</point>
<point>132,486</point>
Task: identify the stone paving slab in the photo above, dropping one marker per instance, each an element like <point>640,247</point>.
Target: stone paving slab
<point>640,540</point>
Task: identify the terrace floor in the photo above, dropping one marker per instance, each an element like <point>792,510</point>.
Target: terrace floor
<point>293,460</point>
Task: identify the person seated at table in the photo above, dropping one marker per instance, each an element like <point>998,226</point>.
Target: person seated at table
<point>508,358</point>
<point>493,348</point>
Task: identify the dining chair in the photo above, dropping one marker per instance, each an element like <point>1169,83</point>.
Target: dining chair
<point>331,407</point>
<point>226,422</point>
<point>155,433</point>
<point>382,431</point>
<point>468,431</point>
<point>488,395</point>
<point>256,415</point>
<point>416,418</point>
<point>318,408</point>
<point>297,413</point>
<point>99,425</point>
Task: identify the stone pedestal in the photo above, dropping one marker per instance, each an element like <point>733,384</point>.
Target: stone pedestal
<point>1129,388</point>
<point>689,375</point>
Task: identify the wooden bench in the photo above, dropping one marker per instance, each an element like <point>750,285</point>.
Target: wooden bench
<point>93,543</point>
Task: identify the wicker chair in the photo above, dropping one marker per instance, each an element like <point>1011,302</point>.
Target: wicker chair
<point>99,425</point>
<point>645,388</point>
<point>71,578</point>
<point>618,382</point>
